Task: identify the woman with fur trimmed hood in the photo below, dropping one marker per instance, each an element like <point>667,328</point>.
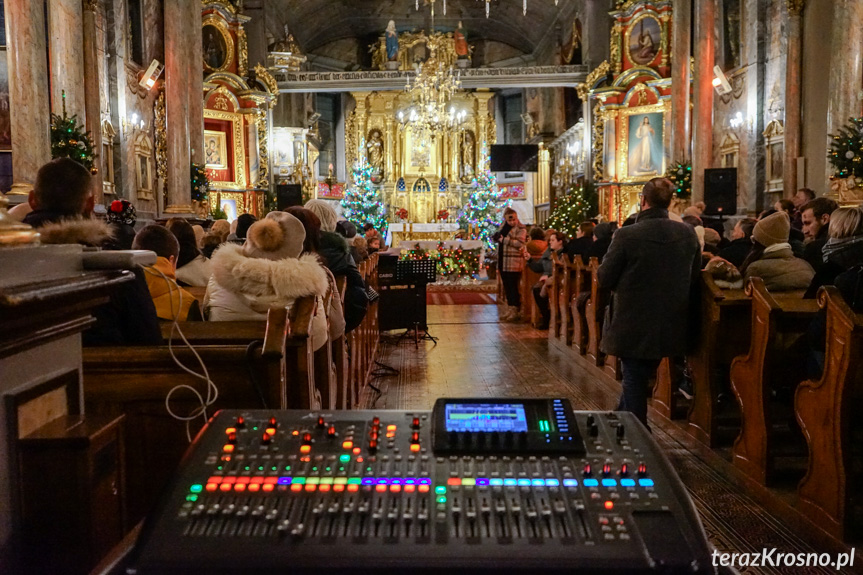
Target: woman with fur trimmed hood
<point>267,271</point>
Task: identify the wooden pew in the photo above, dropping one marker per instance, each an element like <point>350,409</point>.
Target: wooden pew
<point>340,358</point>
<point>557,273</point>
<point>725,333</point>
<point>529,311</point>
<point>665,399</point>
<point>136,381</point>
<point>773,361</point>
<point>828,412</point>
<point>581,284</point>
<point>363,341</point>
<point>595,312</point>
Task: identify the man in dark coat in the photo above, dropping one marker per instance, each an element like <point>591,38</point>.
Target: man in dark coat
<point>815,216</point>
<point>650,267</point>
<point>741,242</point>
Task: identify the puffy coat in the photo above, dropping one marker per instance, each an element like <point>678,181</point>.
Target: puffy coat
<point>195,273</point>
<point>781,271</point>
<point>244,288</point>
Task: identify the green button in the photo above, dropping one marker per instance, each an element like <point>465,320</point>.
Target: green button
<point>191,497</point>
<point>340,480</point>
<point>300,480</point>
<point>468,481</point>
<point>313,480</point>
<point>196,488</point>
<point>344,458</point>
<point>354,481</point>
<point>326,480</point>
<point>441,499</point>
<point>440,490</point>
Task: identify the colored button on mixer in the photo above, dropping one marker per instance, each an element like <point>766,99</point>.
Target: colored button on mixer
<point>609,483</point>
<point>645,482</point>
<point>627,482</point>
<point>591,483</point>
<point>570,483</point>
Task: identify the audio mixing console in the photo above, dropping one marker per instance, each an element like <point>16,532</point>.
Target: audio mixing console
<point>474,485</point>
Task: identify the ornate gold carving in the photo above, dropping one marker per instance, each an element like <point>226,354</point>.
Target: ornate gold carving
<point>795,7</point>
<point>220,102</point>
<point>437,44</point>
<point>598,140</point>
<point>160,127</point>
<point>351,138</point>
<point>600,71</point>
<point>269,83</point>
<point>263,138</point>
<point>242,53</point>
<point>132,77</point>
<point>616,43</point>
<point>663,45</point>
<point>232,6</point>
<point>217,22</point>
<point>236,121</point>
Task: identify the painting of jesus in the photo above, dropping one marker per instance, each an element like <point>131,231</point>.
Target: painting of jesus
<point>646,150</point>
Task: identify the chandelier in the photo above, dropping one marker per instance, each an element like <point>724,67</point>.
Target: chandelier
<point>487,6</point>
<point>429,109</point>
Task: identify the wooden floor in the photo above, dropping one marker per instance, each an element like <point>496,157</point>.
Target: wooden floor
<point>476,356</point>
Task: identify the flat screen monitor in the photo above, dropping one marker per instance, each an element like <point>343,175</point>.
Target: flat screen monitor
<point>514,158</point>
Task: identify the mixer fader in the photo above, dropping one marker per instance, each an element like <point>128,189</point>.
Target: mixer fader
<point>474,485</point>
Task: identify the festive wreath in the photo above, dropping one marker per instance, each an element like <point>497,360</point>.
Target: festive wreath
<point>402,213</point>
<point>442,214</point>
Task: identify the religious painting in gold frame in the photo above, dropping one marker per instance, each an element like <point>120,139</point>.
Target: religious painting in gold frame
<point>644,39</point>
<point>420,159</point>
<point>234,139</point>
<point>218,44</point>
<point>645,129</point>
<point>215,150</point>
<point>234,201</point>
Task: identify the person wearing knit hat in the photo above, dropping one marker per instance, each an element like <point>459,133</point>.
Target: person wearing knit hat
<point>268,271</point>
<point>325,213</point>
<point>772,259</point>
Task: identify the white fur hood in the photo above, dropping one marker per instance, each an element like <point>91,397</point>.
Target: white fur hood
<point>85,231</point>
<point>277,280</point>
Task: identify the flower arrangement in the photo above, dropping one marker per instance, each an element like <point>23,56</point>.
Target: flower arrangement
<point>402,213</point>
<point>442,214</point>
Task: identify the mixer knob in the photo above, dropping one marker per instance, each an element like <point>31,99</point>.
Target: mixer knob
<point>376,422</point>
<point>321,422</point>
<point>620,432</point>
<point>606,469</point>
<point>241,421</point>
<point>266,438</point>
<point>232,438</point>
<point>588,470</point>
<point>624,470</point>
<point>592,427</point>
<point>307,439</point>
<point>642,469</point>
<point>415,437</point>
<point>331,432</point>
<point>373,446</point>
<point>591,420</point>
<point>415,424</point>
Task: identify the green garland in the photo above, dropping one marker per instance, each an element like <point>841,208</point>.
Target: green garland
<point>680,175</point>
<point>70,140</point>
<point>579,204</point>
<point>451,262</point>
<point>846,150</point>
<point>200,182</point>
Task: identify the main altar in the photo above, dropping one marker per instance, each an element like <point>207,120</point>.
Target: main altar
<point>424,177</point>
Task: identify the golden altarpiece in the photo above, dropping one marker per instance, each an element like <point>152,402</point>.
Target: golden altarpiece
<point>629,97</point>
<point>423,176</point>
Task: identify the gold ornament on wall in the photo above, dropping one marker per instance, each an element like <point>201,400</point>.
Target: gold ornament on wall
<point>160,128</point>
<point>263,137</point>
<point>242,52</point>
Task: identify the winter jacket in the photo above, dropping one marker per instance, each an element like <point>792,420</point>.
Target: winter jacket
<point>171,301</point>
<point>244,288</point>
<point>579,247</point>
<point>651,267</point>
<point>838,255</point>
<point>336,255</point>
<point>736,251</point>
<point>781,271</point>
<point>812,249</point>
<point>544,265</point>
<point>511,245</point>
<point>195,273</point>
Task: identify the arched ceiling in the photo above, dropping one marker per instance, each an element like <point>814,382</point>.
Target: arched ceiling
<point>316,23</point>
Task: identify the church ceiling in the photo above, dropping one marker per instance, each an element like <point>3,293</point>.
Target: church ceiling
<point>316,23</point>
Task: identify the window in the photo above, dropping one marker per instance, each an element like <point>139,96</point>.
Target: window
<point>328,107</point>
<point>512,122</point>
<point>136,31</point>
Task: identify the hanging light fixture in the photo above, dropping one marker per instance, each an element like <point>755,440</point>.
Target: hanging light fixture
<point>429,110</point>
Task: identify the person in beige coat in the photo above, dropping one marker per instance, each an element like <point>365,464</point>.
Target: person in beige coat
<point>772,259</point>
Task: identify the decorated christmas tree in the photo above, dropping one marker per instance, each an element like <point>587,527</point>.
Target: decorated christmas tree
<point>680,175</point>
<point>199,181</point>
<point>846,149</point>
<point>577,205</point>
<point>361,204</point>
<point>69,140</point>
<point>484,207</point>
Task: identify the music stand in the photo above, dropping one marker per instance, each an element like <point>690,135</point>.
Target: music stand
<point>421,273</point>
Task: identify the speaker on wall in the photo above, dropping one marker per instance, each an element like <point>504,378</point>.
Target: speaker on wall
<point>288,195</point>
<point>720,191</point>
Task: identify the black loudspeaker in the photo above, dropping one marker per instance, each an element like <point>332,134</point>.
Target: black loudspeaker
<point>720,191</point>
<point>402,307</point>
<point>288,195</point>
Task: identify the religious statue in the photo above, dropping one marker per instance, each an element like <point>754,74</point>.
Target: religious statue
<point>375,151</point>
<point>468,149</point>
<point>392,42</point>
<point>461,47</point>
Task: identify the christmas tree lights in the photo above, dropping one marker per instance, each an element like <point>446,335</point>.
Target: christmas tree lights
<point>680,175</point>
<point>452,263</point>
<point>484,207</point>
<point>69,140</point>
<point>578,205</point>
<point>199,181</point>
<point>846,150</point>
<point>361,204</point>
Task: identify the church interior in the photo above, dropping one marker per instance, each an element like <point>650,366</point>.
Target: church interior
<point>393,285</point>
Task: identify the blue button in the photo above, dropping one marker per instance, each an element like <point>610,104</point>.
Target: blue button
<point>645,482</point>
<point>552,482</point>
<point>627,482</point>
<point>410,481</point>
<point>425,481</point>
<point>284,480</point>
<point>395,482</point>
<point>570,483</point>
<point>538,482</point>
<point>382,481</point>
<point>495,481</point>
<point>591,483</point>
<point>509,482</point>
<point>482,482</point>
<point>368,481</point>
<point>524,482</point>
<point>609,483</point>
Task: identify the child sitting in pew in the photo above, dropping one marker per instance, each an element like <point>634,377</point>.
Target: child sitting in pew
<point>171,301</point>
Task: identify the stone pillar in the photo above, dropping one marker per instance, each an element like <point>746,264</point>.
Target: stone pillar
<point>67,67</point>
<point>596,29</point>
<point>28,91</point>
<point>793,95</point>
<point>702,125</point>
<point>680,81</point>
<point>178,53</point>
<point>256,32</point>
<point>92,93</point>
<point>196,84</point>
<point>846,64</point>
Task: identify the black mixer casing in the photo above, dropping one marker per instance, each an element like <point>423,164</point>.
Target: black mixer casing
<point>378,491</point>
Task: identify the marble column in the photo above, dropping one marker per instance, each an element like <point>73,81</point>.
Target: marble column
<point>28,91</point>
<point>66,38</point>
<point>793,95</point>
<point>846,64</point>
<point>702,125</point>
<point>596,29</point>
<point>92,93</point>
<point>196,83</point>
<point>680,81</point>
<point>178,53</point>
<point>256,32</point>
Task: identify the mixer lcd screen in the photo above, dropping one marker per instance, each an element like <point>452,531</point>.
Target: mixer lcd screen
<point>488,418</point>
